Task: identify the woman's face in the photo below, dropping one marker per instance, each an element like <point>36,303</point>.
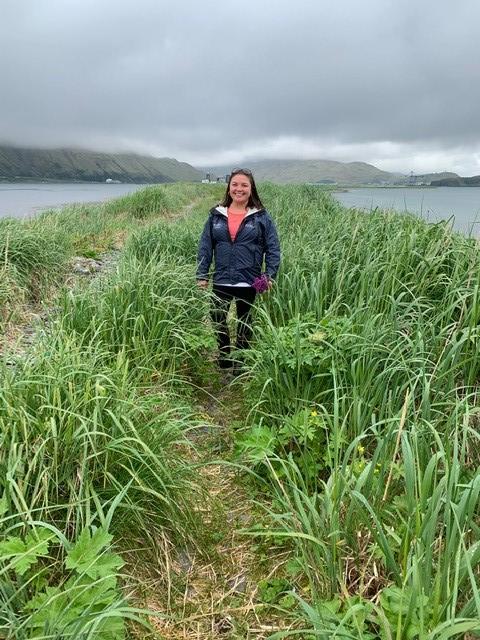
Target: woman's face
<point>240,190</point>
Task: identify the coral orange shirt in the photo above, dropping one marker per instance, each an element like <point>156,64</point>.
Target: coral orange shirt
<point>234,221</point>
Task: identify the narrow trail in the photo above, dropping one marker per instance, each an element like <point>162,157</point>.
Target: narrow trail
<point>216,595</point>
<point>18,337</point>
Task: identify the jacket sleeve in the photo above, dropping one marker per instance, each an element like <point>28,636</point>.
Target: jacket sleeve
<point>272,248</point>
<point>205,252</point>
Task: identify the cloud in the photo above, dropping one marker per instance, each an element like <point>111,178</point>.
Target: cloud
<point>207,82</point>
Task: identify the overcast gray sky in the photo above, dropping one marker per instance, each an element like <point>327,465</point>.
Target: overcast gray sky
<point>391,82</point>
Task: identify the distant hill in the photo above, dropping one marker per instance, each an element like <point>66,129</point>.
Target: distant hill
<point>321,171</point>
<point>76,165</point>
<point>327,172</point>
<point>457,181</point>
<point>426,178</point>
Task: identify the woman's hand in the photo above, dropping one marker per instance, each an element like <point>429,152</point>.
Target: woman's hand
<point>202,284</point>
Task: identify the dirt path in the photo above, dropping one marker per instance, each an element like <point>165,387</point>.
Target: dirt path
<point>218,594</point>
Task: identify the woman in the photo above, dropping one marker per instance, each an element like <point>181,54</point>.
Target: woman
<point>239,234</point>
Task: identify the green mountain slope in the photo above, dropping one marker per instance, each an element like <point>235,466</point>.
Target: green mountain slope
<point>74,164</point>
<point>326,171</point>
<point>457,181</point>
<point>323,170</point>
<point>291,171</point>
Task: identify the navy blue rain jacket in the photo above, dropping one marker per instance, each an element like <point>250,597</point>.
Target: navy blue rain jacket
<point>240,260</point>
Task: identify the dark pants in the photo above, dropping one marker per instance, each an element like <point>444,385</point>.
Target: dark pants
<point>222,297</point>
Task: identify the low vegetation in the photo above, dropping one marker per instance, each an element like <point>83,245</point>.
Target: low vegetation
<point>351,436</point>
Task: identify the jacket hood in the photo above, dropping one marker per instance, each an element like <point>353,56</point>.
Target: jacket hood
<point>223,210</point>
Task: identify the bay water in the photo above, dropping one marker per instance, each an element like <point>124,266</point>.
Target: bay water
<point>23,200</point>
<point>461,205</point>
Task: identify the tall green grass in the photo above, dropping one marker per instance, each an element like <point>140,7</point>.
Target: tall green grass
<point>31,260</point>
<point>151,313</point>
<point>92,429</point>
<point>72,426</point>
<point>34,253</point>
<point>361,401</point>
<point>382,298</point>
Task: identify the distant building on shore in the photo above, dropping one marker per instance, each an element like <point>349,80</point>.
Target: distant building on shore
<point>209,179</point>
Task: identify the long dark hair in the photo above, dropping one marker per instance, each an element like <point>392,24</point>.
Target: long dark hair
<point>253,201</point>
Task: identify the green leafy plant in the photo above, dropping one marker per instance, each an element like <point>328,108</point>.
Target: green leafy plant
<point>304,437</point>
<point>80,598</point>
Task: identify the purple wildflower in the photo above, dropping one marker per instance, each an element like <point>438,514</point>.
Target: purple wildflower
<point>261,284</point>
